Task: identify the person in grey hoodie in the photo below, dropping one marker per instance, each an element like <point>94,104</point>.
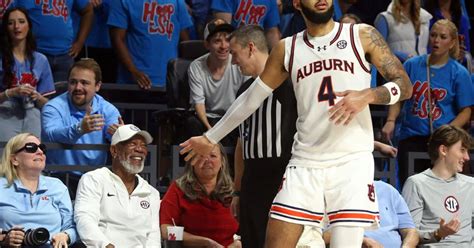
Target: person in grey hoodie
<point>440,199</point>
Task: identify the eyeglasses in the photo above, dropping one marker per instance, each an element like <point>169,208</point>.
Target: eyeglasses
<point>32,148</point>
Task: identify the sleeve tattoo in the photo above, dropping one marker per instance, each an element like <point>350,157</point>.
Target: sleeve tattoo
<point>387,64</point>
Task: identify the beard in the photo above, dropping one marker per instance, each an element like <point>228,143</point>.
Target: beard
<point>131,168</point>
<point>317,18</point>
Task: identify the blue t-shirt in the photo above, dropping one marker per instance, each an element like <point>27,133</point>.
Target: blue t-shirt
<point>260,12</point>
<point>39,76</point>
<point>52,23</point>
<point>394,215</point>
<point>59,120</point>
<point>49,207</point>
<point>153,28</point>
<point>451,89</point>
<point>99,35</point>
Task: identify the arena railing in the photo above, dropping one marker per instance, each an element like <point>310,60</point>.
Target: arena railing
<point>149,172</point>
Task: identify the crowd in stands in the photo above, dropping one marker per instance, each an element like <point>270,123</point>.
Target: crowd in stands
<point>86,43</point>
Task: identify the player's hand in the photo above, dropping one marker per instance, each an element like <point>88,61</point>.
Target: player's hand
<point>446,229</point>
<point>371,243</point>
<point>197,149</point>
<point>93,122</point>
<point>142,79</point>
<point>235,206</point>
<point>387,130</point>
<point>345,109</point>
<point>112,128</point>
<point>75,49</point>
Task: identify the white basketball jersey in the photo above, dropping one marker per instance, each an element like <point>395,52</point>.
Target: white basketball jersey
<point>320,66</point>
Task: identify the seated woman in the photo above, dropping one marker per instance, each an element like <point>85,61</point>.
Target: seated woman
<point>200,201</point>
<point>29,200</point>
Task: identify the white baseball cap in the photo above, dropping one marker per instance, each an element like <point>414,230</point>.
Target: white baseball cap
<point>126,132</point>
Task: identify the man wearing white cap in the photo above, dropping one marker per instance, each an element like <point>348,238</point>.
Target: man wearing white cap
<point>116,207</point>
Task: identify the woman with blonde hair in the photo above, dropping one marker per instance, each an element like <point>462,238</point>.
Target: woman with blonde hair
<point>405,27</point>
<point>442,94</point>
<point>29,200</point>
<point>200,201</point>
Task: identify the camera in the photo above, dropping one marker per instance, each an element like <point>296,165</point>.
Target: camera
<point>36,237</point>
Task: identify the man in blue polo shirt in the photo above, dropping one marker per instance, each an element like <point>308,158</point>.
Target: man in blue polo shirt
<point>52,27</point>
<point>79,116</point>
<point>145,35</point>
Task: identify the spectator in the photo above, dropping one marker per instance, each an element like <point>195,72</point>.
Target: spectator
<point>213,80</point>
<point>442,94</point>
<point>116,207</point>
<point>262,151</point>
<point>48,204</point>
<point>440,199</point>
<point>80,116</point>
<point>154,26</point>
<point>97,44</point>
<point>25,77</point>
<point>405,27</point>
<point>396,225</point>
<point>53,30</point>
<point>451,10</point>
<point>199,200</point>
<point>244,12</point>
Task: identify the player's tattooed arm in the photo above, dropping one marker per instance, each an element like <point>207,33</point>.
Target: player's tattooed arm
<point>379,54</point>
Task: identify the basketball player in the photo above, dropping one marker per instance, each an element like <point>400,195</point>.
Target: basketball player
<point>331,169</point>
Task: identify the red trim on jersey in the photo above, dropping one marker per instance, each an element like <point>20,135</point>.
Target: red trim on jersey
<point>305,38</point>
<point>292,54</point>
<point>339,30</point>
<point>355,50</point>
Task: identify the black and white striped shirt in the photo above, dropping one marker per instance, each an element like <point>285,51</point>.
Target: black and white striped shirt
<point>269,131</point>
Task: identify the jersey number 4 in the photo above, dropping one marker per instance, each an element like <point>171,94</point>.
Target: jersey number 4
<point>326,93</point>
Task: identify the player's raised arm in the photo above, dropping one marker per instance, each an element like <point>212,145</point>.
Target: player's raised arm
<point>379,54</point>
<point>272,76</point>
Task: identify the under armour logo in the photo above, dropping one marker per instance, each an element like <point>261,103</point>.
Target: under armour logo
<point>394,91</point>
<point>321,48</point>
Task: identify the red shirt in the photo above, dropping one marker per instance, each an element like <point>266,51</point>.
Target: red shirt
<point>203,217</point>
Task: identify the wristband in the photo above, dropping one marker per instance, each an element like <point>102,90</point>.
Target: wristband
<point>394,91</point>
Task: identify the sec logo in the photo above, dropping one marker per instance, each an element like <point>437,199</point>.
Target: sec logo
<point>451,204</point>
